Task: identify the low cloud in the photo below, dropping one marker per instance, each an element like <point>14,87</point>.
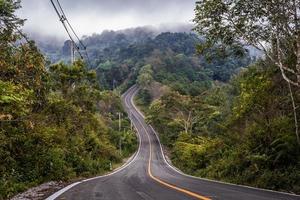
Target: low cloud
<point>94,16</point>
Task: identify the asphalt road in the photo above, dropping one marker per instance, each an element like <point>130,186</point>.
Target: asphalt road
<point>148,176</point>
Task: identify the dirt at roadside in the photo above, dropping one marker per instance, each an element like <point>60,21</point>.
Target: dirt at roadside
<point>45,190</point>
<point>40,192</point>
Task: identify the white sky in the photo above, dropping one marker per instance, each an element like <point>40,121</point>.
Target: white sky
<point>94,16</point>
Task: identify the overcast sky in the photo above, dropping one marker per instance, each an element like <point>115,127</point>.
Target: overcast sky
<point>94,16</point>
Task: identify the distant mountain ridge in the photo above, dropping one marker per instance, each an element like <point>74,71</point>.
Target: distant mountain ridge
<point>117,56</point>
<point>54,47</point>
<point>57,49</point>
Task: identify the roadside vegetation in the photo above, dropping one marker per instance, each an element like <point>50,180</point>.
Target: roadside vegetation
<point>221,111</point>
<point>240,132</point>
<point>242,129</point>
<point>55,121</point>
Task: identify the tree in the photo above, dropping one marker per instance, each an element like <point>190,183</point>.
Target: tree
<point>145,76</point>
<point>52,126</point>
<point>270,26</point>
<point>260,23</point>
<point>9,22</point>
<point>182,109</point>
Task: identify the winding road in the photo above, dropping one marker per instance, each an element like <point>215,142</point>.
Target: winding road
<point>148,176</point>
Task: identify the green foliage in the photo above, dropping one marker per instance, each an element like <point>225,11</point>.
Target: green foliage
<point>269,26</point>
<point>241,132</point>
<point>119,57</point>
<point>106,66</point>
<point>144,97</point>
<point>198,152</point>
<point>145,76</point>
<point>253,87</point>
<point>55,124</point>
<point>9,20</point>
<point>67,138</point>
<point>15,101</point>
<point>229,21</point>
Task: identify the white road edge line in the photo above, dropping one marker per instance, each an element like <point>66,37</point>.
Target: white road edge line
<point>174,187</point>
<point>195,177</point>
<point>130,160</point>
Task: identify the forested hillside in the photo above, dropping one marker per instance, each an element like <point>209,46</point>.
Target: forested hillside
<point>224,98</point>
<point>117,58</point>
<point>241,132</point>
<point>55,121</point>
<point>244,129</point>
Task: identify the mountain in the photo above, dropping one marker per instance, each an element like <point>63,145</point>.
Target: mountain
<point>53,47</point>
<point>117,56</point>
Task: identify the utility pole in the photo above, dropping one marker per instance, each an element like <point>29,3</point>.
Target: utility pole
<point>114,82</point>
<point>120,126</point>
<point>120,145</point>
<point>131,124</point>
<point>119,113</point>
<point>70,31</point>
<point>72,52</point>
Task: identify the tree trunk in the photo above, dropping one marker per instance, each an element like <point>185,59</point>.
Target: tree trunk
<point>298,57</point>
<point>295,113</point>
<point>297,36</point>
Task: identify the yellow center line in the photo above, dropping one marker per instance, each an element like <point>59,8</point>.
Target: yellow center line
<point>197,196</point>
<point>192,194</point>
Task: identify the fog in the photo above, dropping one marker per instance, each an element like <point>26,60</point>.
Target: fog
<point>94,16</point>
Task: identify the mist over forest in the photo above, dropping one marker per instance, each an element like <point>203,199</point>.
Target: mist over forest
<point>213,87</point>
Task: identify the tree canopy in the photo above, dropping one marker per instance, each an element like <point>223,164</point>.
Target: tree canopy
<point>55,121</point>
<point>271,26</point>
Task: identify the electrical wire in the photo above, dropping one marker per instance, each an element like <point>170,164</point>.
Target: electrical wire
<point>63,19</point>
<point>72,29</point>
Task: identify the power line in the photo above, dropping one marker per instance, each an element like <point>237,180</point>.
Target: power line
<point>62,19</point>
<point>65,22</point>
<point>66,19</point>
<point>72,29</point>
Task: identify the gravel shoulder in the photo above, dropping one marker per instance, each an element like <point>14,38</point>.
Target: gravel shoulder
<point>40,192</point>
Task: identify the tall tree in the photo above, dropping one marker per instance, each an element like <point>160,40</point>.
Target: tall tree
<point>145,76</point>
<point>271,26</point>
<point>9,22</point>
<point>263,24</point>
<point>21,64</point>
